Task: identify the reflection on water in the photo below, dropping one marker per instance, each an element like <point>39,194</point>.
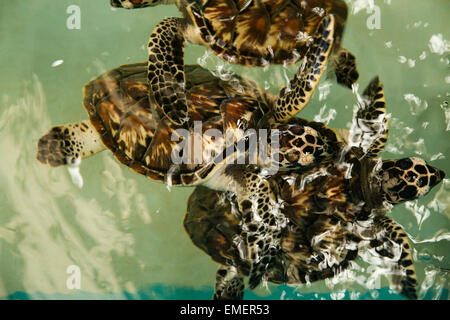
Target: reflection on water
<point>124,232</point>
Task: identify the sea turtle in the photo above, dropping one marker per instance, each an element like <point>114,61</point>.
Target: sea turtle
<point>121,120</point>
<point>333,210</point>
<point>248,32</point>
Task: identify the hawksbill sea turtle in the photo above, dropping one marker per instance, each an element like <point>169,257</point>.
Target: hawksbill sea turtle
<point>121,120</point>
<point>334,211</point>
<point>247,32</point>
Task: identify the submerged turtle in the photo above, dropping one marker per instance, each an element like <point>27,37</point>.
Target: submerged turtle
<point>248,32</point>
<point>121,120</point>
<point>333,210</point>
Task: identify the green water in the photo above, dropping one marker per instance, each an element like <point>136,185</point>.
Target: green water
<point>124,232</point>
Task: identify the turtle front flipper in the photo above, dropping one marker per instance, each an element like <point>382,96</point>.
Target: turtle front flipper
<point>64,144</point>
<point>229,284</point>
<point>343,61</point>
<point>370,129</point>
<point>301,88</point>
<point>392,242</point>
<point>262,225</point>
<point>166,70</point>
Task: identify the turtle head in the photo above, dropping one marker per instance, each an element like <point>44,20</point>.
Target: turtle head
<point>132,4</point>
<point>408,179</point>
<point>300,146</point>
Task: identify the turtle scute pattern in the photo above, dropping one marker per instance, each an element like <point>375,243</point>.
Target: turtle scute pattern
<point>371,122</point>
<point>119,109</point>
<point>55,147</point>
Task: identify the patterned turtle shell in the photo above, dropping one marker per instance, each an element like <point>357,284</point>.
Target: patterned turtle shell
<point>267,31</point>
<point>118,106</point>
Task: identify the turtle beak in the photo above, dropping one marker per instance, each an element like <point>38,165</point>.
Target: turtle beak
<point>440,176</point>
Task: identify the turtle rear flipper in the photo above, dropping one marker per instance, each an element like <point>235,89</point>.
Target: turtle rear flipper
<point>229,284</point>
<point>344,63</point>
<point>392,242</point>
<point>371,122</point>
<point>262,225</point>
<point>293,100</point>
<point>263,267</point>
<point>64,144</point>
